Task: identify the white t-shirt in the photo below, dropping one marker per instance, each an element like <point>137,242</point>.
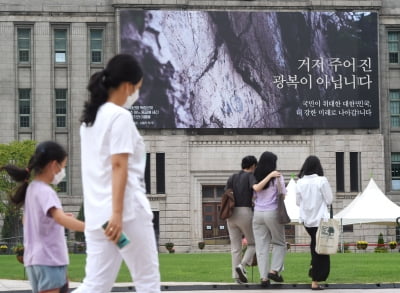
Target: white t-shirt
<point>113,132</point>
<point>313,194</point>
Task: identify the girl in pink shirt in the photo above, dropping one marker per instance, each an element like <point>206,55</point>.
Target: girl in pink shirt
<point>45,248</point>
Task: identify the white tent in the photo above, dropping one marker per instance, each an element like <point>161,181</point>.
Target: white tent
<point>371,206</point>
<point>290,202</point>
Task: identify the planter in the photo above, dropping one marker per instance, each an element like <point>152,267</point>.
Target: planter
<point>170,247</point>
<point>362,245</point>
<point>201,245</point>
<point>20,258</point>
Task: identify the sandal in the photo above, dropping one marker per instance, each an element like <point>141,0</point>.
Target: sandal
<point>317,288</point>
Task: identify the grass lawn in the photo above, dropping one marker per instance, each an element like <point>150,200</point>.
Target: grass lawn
<point>215,267</point>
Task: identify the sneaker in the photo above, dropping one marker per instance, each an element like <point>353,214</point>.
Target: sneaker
<point>275,277</point>
<point>242,273</point>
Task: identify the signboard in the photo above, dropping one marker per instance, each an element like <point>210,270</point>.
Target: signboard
<point>237,69</point>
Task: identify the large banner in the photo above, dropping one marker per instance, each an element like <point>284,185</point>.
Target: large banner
<point>237,69</point>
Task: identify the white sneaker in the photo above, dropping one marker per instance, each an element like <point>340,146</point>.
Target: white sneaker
<point>242,273</point>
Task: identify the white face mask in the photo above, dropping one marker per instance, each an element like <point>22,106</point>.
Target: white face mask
<point>58,177</point>
<point>131,100</point>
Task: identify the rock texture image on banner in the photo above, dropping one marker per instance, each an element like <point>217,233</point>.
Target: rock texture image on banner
<point>236,69</point>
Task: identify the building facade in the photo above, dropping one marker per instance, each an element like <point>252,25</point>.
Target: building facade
<point>49,49</point>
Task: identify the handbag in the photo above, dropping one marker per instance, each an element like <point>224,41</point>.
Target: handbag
<point>327,238</point>
<point>227,204</point>
<point>283,217</point>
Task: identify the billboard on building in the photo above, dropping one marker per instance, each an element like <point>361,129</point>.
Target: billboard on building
<point>241,69</point>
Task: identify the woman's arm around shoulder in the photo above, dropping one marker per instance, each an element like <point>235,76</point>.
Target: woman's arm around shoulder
<point>260,185</point>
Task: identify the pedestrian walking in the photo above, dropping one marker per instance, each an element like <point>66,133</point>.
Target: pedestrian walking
<point>45,249</point>
<point>267,229</point>
<point>239,224</point>
<point>313,196</point>
<point>113,162</point>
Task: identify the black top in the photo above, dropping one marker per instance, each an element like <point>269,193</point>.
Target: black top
<point>242,185</point>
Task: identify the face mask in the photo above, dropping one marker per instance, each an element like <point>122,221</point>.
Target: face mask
<point>131,100</point>
<point>58,177</point>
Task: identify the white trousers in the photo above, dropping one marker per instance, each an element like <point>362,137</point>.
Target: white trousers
<point>104,258</point>
<point>267,231</point>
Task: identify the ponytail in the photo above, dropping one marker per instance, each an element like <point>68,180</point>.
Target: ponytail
<point>20,176</point>
<point>98,96</point>
<point>45,153</point>
<point>121,68</point>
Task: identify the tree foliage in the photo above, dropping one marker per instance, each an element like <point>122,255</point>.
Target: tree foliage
<point>17,153</point>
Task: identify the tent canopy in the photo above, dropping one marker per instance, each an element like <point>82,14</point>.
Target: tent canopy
<point>371,206</point>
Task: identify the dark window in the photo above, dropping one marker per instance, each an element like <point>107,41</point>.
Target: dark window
<point>61,107</point>
<point>60,45</point>
<point>63,185</point>
<point>213,192</point>
<point>394,48</point>
<point>394,97</point>
<point>24,45</point>
<point>396,171</point>
<point>96,45</point>
<point>147,174</point>
<point>348,228</point>
<point>340,172</point>
<point>354,171</point>
<point>24,97</point>
<point>160,173</point>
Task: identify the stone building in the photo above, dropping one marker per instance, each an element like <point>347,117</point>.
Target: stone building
<point>49,49</point>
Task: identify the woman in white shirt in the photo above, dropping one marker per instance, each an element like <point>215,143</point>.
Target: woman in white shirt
<point>113,162</point>
<point>313,195</point>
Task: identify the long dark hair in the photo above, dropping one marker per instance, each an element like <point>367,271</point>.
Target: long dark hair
<point>45,152</point>
<point>312,165</point>
<point>120,68</point>
<point>266,165</point>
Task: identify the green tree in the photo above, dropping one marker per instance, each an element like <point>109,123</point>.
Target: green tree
<point>17,153</point>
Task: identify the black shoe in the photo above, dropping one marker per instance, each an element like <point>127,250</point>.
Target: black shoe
<point>275,277</point>
<point>241,273</point>
<point>265,283</point>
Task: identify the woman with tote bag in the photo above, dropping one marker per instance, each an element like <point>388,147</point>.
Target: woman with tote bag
<point>313,195</point>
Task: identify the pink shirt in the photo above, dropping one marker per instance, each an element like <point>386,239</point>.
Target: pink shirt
<point>267,199</point>
<point>44,240</point>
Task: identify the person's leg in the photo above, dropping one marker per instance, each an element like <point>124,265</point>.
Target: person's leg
<point>312,231</point>
<point>278,241</point>
<point>235,236</point>
<point>140,255</point>
<point>246,226</point>
<point>261,236</point>
<point>103,262</point>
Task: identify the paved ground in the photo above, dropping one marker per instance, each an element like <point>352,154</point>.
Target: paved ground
<point>23,287</point>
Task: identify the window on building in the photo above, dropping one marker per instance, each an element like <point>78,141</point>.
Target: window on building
<point>394,97</point>
<point>354,172</point>
<point>340,172</point>
<point>61,107</point>
<point>395,171</point>
<point>394,39</point>
<point>212,192</point>
<point>63,185</point>
<point>96,45</point>
<point>147,174</point>
<point>24,45</point>
<point>348,228</point>
<point>160,173</point>
<point>24,99</point>
<point>60,45</point>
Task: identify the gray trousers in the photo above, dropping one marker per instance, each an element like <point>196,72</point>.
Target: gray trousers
<point>267,230</point>
<point>239,224</point>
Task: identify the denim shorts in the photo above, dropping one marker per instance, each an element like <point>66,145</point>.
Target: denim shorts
<point>43,278</point>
